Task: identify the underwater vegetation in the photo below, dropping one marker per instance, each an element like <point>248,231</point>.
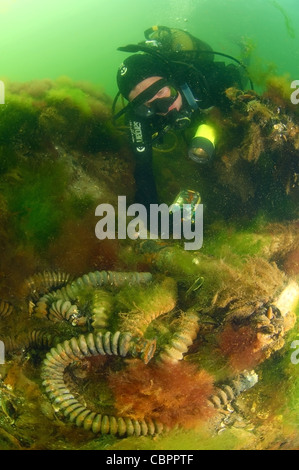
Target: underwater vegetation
<point>123,344</point>
<point>287,20</point>
<point>256,166</point>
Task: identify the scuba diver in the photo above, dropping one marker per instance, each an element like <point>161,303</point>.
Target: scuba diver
<point>170,82</point>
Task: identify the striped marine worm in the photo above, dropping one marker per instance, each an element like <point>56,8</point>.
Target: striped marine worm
<point>162,300</point>
<point>46,281</point>
<point>101,305</point>
<point>93,279</point>
<point>63,310</point>
<point>75,349</point>
<point>183,337</point>
<point>35,338</point>
<point>6,309</point>
<point>101,308</point>
<point>226,393</point>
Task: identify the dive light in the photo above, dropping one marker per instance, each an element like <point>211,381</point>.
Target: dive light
<point>203,144</point>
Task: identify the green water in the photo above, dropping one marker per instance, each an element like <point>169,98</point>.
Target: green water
<point>79,38</point>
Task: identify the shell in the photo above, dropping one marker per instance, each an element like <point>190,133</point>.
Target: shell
<point>227,393</point>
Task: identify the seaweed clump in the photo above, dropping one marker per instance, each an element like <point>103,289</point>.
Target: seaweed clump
<point>61,112</point>
<point>176,395</point>
<point>255,167</point>
<point>58,153</point>
<point>258,152</point>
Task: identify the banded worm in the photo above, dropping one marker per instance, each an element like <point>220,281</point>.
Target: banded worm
<point>94,279</point>
<point>226,393</point>
<point>64,310</point>
<point>59,358</point>
<point>6,309</point>
<point>35,338</point>
<point>163,299</point>
<point>185,333</point>
<point>101,308</point>
<point>41,283</point>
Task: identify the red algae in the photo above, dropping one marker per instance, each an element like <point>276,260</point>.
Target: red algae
<point>175,394</point>
<point>241,346</point>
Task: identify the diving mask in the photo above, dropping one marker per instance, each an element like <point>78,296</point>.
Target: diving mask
<point>160,105</point>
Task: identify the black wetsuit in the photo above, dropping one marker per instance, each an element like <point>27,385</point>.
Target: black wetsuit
<point>207,81</point>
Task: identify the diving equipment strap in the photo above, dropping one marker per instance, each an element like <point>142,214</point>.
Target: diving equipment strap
<point>143,97</point>
<point>189,96</point>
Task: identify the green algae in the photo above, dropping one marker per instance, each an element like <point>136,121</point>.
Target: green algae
<point>287,19</point>
<point>35,202</point>
<point>36,174</point>
<point>61,111</point>
<point>282,374</point>
<point>189,440</point>
<point>19,123</point>
<point>233,243</point>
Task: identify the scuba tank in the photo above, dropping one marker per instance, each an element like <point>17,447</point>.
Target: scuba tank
<point>173,41</point>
